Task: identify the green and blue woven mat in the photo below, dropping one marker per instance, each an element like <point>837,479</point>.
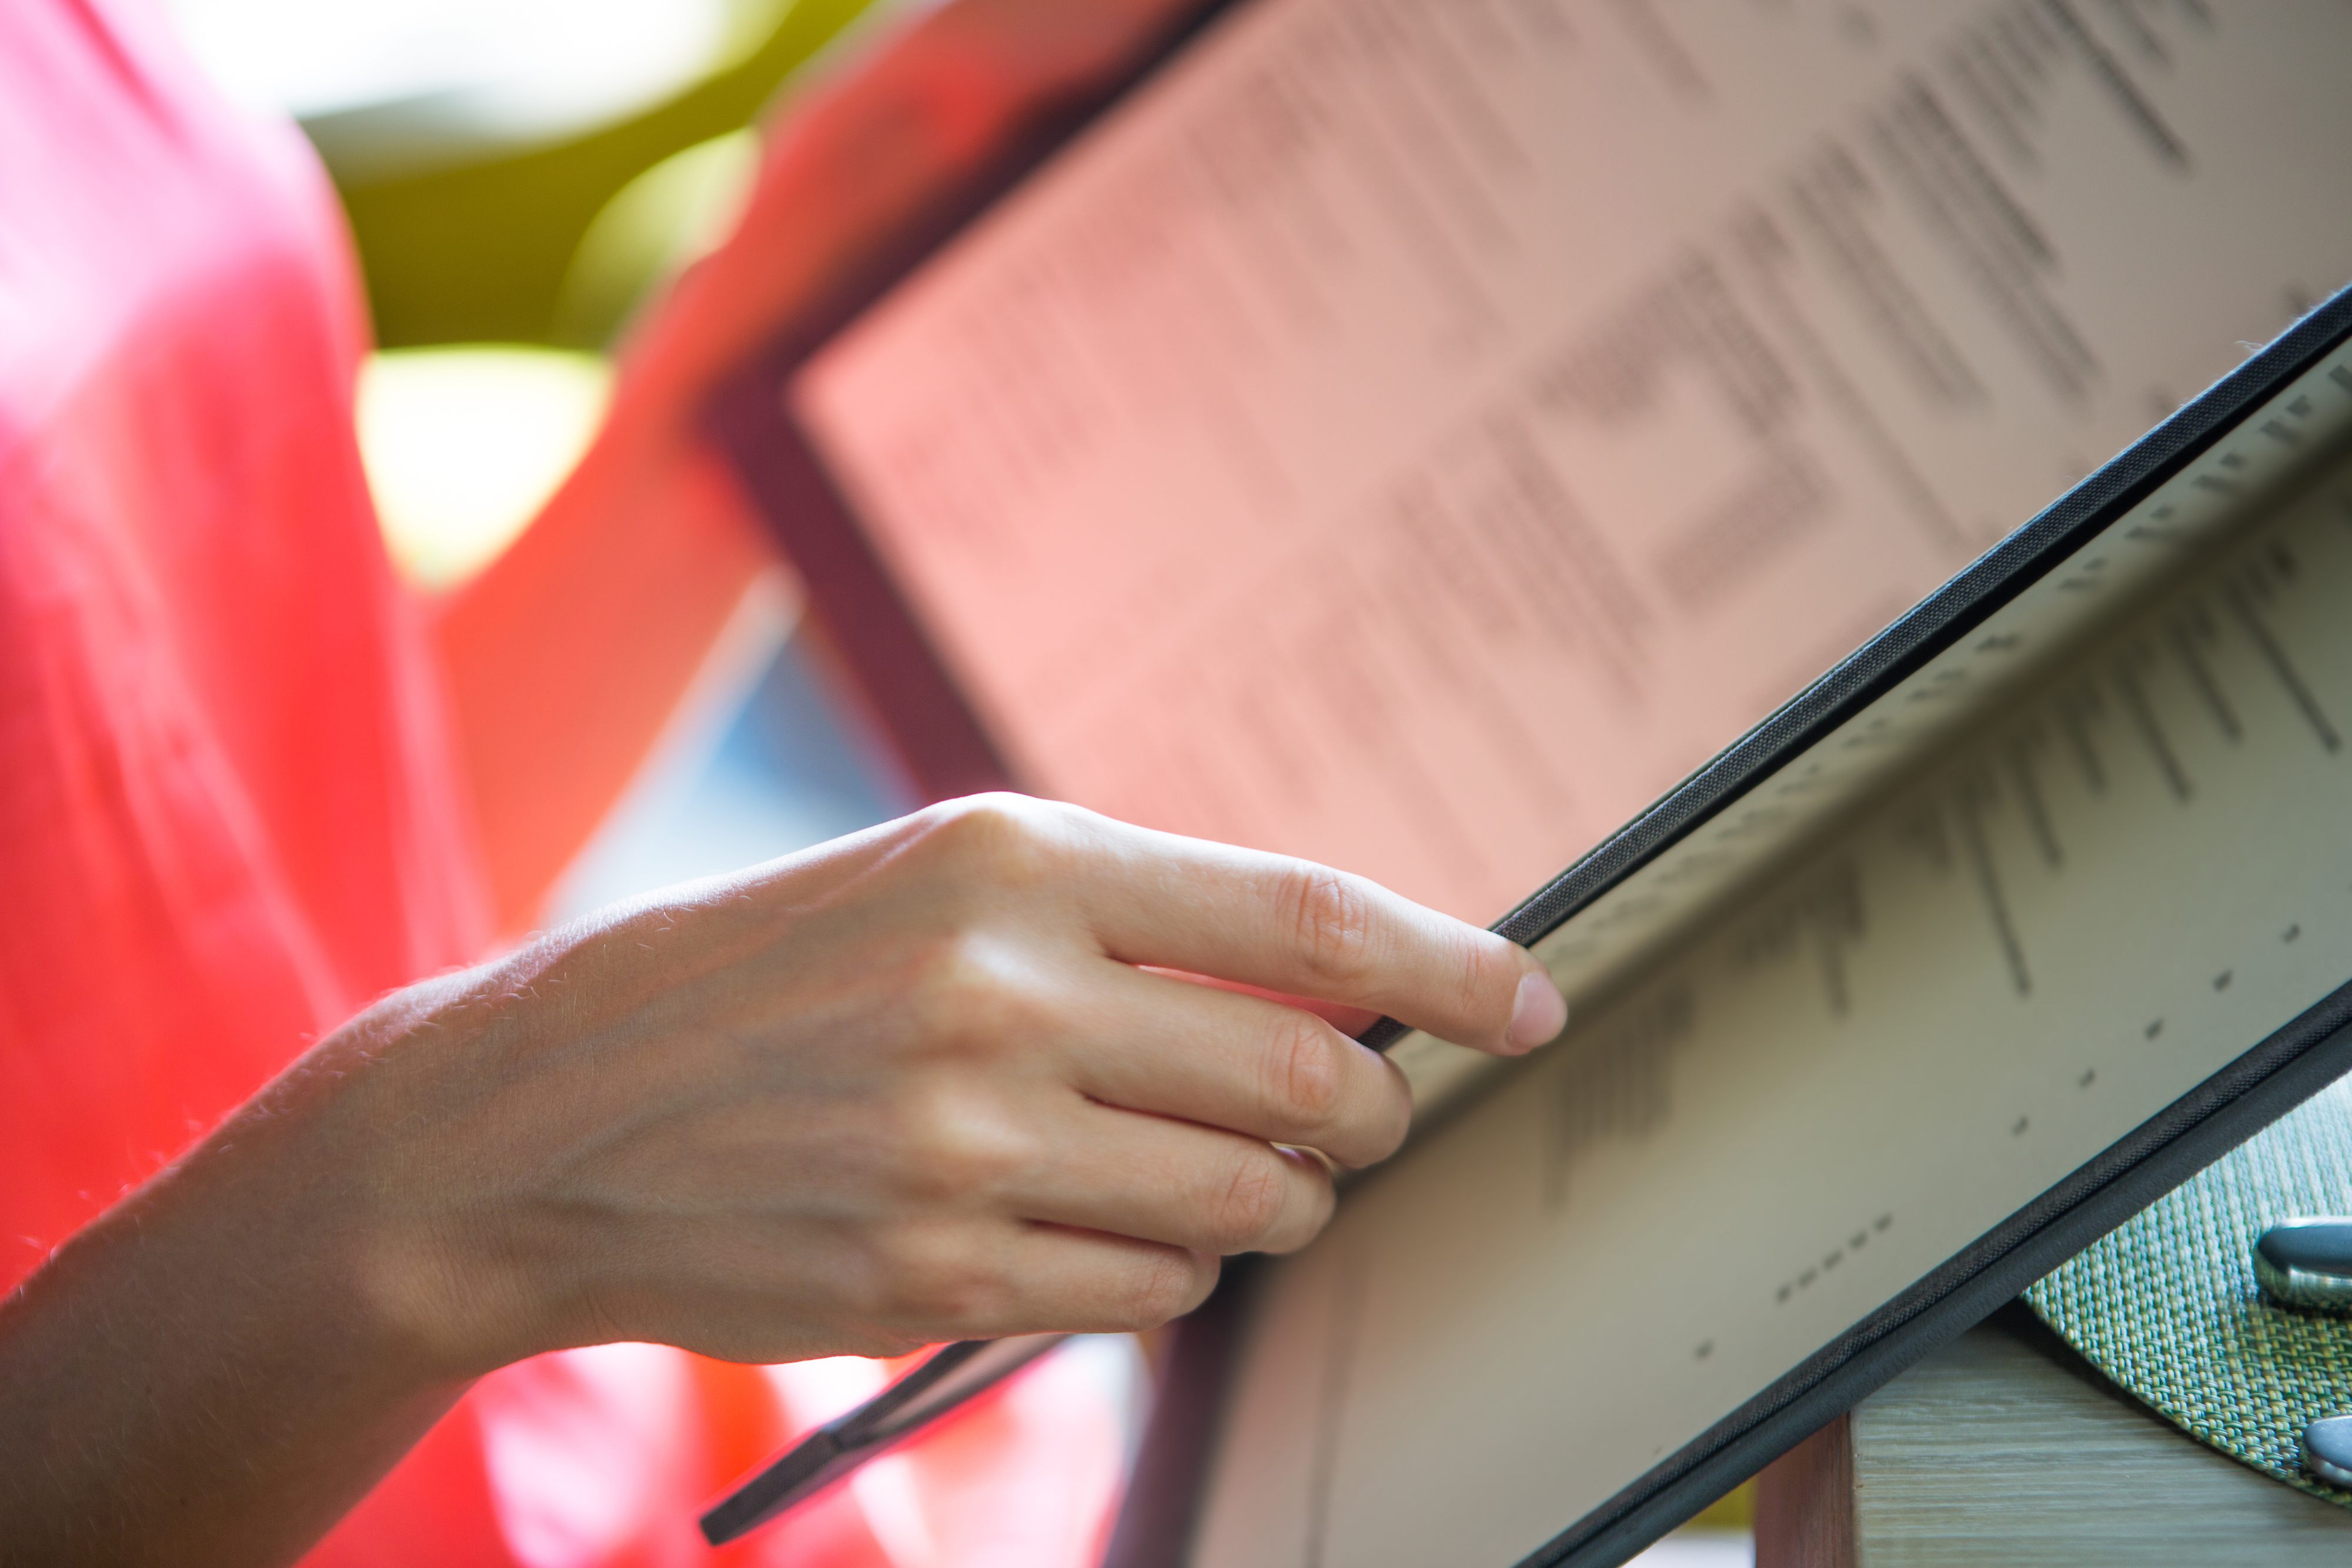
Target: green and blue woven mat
<point>2166,1305</point>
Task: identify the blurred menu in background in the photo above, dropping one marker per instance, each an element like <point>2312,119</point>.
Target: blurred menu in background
<point>1413,436</point>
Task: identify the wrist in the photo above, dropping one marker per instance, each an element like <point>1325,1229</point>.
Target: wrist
<point>368,1136</point>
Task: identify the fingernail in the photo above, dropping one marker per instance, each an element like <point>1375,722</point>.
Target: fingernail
<point>1538,1013</point>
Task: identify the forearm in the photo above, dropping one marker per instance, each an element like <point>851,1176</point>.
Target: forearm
<point>225,1363</point>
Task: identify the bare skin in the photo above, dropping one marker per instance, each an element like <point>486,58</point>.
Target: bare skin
<point>922,1083</point>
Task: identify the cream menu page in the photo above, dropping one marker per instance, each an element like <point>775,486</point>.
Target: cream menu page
<point>2128,863</point>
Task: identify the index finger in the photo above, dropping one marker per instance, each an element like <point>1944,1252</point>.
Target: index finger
<point>1293,926</point>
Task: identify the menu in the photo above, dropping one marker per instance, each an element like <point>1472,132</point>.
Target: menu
<point>1414,434</point>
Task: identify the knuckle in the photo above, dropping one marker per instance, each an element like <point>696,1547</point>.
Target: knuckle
<point>1159,1287</point>
<point>1250,1202</point>
<point>1321,1204</point>
<point>969,995</point>
<point>931,1273</point>
<point>1489,977</point>
<point>1004,838</point>
<point>1329,917</point>
<point>953,1149</point>
<point>1303,1073</point>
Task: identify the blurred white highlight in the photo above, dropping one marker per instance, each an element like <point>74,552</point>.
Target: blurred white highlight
<point>463,445</point>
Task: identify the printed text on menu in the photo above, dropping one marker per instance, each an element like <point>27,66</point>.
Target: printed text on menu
<point>1413,436</point>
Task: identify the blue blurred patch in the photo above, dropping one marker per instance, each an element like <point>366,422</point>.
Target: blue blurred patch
<point>793,767</point>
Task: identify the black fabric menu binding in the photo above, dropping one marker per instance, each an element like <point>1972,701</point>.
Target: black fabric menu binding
<point>2262,1084</point>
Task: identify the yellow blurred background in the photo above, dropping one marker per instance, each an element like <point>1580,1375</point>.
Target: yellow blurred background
<point>519,175</point>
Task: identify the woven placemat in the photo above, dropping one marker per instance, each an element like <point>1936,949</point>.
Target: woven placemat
<point>2166,1306</point>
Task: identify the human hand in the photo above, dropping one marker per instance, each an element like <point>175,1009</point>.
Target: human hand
<point>907,1087</point>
